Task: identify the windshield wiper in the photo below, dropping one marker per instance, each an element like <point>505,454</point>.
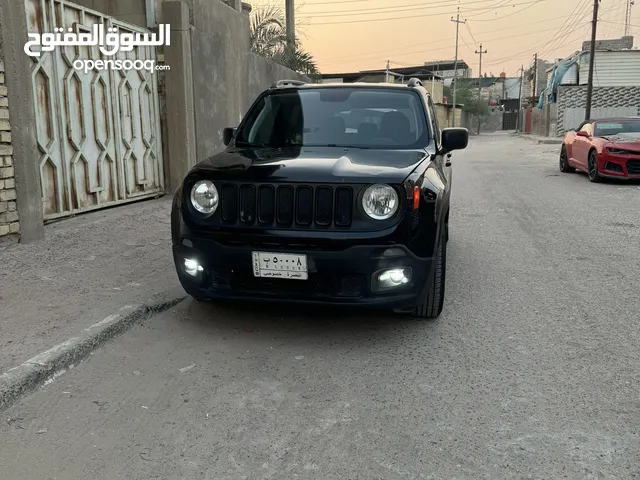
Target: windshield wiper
<point>342,146</point>
<point>254,145</point>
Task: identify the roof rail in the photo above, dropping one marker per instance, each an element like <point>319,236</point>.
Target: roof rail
<point>414,82</point>
<point>284,83</point>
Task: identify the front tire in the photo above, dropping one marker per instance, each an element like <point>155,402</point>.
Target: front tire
<point>594,174</point>
<point>564,161</point>
<point>433,302</point>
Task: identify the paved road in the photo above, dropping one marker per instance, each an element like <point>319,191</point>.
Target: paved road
<point>531,372</point>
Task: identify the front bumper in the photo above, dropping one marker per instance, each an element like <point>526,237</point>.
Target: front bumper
<point>615,167</point>
<point>344,277</point>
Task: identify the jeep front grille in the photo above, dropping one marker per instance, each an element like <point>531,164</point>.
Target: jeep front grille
<point>285,205</point>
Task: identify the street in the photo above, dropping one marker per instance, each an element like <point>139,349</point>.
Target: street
<point>532,370</point>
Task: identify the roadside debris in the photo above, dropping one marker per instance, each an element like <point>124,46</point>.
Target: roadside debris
<point>182,370</point>
<point>13,422</point>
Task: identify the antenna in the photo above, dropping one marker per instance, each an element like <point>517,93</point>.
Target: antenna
<point>627,17</point>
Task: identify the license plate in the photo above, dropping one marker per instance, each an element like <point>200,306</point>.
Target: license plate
<point>280,265</point>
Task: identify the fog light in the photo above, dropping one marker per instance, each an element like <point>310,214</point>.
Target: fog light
<point>192,267</point>
<point>393,278</point>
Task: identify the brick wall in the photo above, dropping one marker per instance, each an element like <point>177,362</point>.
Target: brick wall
<point>623,43</point>
<point>9,223</point>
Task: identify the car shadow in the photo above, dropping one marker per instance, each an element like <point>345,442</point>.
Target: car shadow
<point>281,320</point>
<point>605,181</point>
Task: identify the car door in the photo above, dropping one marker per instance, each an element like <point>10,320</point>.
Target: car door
<point>581,146</point>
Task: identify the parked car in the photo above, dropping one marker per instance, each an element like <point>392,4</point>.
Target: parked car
<point>607,148</point>
<point>300,208</point>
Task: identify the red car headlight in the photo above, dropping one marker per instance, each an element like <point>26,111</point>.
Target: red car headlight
<point>616,151</point>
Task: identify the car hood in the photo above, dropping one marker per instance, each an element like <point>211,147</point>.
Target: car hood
<point>313,164</point>
<point>630,141</point>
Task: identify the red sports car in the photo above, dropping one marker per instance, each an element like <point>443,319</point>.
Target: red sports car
<point>608,148</point>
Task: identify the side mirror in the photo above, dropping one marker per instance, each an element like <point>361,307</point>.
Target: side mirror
<point>227,135</point>
<point>454,139</point>
<point>582,133</point>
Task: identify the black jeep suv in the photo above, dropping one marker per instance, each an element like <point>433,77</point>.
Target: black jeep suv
<point>326,193</point>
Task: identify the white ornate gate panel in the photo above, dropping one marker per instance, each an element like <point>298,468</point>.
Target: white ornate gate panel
<point>99,132</point>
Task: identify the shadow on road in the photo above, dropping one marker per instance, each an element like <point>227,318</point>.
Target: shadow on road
<point>223,318</point>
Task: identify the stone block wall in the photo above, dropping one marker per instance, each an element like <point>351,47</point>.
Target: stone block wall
<point>9,221</point>
<point>623,43</point>
<point>606,102</point>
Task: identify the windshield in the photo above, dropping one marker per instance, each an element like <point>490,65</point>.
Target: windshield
<point>611,129</point>
<point>341,117</point>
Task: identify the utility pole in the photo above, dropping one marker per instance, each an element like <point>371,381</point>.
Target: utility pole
<point>386,78</point>
<point>290,23</point>
<point>455,63</point>
<point>592,55</point>
<point>479,80</point>
<point>520,99</point>
<point>535,74</point>
<point>627,17</point>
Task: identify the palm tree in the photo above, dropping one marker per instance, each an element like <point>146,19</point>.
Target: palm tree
<point>269,39</point>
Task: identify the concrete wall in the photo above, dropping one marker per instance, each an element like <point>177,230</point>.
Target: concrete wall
<point>135,11</point>
<point>544,121</point>
<point>213,80</point>
<point>445,116</point>
<point>260,74</point>
<point>132,11</point>
<point>491,122</point>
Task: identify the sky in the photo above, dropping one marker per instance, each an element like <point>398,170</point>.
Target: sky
<point>353,35</point>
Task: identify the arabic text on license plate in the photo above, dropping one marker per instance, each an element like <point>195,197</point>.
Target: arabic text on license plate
<point>280,265</point>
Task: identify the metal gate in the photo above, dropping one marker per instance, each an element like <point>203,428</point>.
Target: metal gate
<point>98,133</point>
<point>509,120</point>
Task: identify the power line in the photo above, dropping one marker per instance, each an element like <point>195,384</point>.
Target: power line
<point>494,7</point>
<point>411,52</point>
<point>312,3</point>
<point>509,14</point>
<point>471,33</point>
<point>405,17</point>
<point>555,36</point>
<point>551,46</point>
<point>528,52</point>
<point>397,8</point>
<point>619,23</point>
<point>386,50</point>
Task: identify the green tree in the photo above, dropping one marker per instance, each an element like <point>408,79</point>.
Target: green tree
<point>269,39</point>
<point>469,97</point>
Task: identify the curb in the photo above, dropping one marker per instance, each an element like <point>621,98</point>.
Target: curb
<point>539,140</point>
<point>45,367</point>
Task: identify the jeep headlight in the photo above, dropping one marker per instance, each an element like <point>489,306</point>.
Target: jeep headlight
<point>204,197</point>
<point>380,202</point>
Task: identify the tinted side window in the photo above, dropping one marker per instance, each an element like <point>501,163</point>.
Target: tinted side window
<point>434,120</point>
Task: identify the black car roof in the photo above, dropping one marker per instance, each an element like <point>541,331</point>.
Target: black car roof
<point>296,84</point>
